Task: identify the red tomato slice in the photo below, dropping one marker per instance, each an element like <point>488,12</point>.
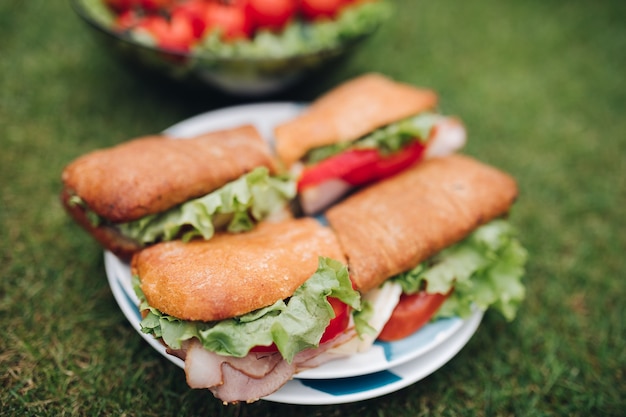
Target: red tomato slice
<point>338,323</point>
<point>386,166</point>
<point>336,326</point>
<point>337,166</point>
<point>412,312</point>
<point>361,166</point>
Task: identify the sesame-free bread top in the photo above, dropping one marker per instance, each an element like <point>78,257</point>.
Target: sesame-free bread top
<point>395,224</point>
<point>107,235</point>
<point>233,274</point>
<point>151,174</point>
<point>348,112</point>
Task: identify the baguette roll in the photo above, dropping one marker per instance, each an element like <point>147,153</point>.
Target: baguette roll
<point>405,220</point>
<point>150,174</point>
<point>233,274</point>
<point>348,112</point>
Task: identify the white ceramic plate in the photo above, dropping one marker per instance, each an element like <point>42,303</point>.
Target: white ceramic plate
<point>385,368</point>
<point>264,116</point>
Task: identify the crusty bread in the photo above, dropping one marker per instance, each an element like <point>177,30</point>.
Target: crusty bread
<point>154,173</point>
<point>397,223</point>
<point>348,112</point>
<point>108,236</point>
<point>233,274</point>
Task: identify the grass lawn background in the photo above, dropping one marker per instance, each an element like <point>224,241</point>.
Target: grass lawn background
<point>541,86</point>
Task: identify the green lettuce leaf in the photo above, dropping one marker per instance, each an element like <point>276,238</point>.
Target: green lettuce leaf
<point>293,325</point>
<point>485,271</point>
<point>387,139</point>
<point>236,207</point>
<point>363,318</point>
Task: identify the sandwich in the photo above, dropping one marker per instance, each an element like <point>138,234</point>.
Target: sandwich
<point>247,311</point>
<point>364,130</point>
<point>433,241</point>
<point>157,188</point>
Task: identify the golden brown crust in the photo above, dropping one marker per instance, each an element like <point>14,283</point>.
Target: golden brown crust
<point>109,237</point>
<point>348,112</point>
<point>154,173</point>
<point>233,274</point>
<point>395,224</point>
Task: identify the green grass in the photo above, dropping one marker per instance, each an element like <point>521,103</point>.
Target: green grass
<point>541,87</point>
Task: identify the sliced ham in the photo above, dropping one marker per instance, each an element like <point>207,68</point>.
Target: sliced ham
<point>202,367</point>
<point>254,376</point>
<point>449,136</point>
<point>237,386</point>
<point>317,197</point>
<point>256,364</point>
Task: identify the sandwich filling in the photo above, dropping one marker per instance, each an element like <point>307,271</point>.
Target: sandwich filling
<point>234,207</point>
<point>482,271</point>
<point>387,139</point>
<point>250,356</point>
<point>326,173</point>
<point>292,325</point>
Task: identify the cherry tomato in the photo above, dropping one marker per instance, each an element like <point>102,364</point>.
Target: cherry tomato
<point>195,11</point>
<point>175,34</point>
<point>321,9</point>
<point>232,20</point>
<point>361,166</point>
<point>336,326</point>
<point>411,313</point>
<point>271,14</point>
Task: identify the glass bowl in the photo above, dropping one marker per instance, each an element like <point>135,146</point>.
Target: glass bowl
<point>244,69</point>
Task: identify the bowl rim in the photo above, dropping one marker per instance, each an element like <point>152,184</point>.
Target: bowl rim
<point>80,9</point>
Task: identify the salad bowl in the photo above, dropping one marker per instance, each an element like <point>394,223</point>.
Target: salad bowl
<point>268,61</point>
